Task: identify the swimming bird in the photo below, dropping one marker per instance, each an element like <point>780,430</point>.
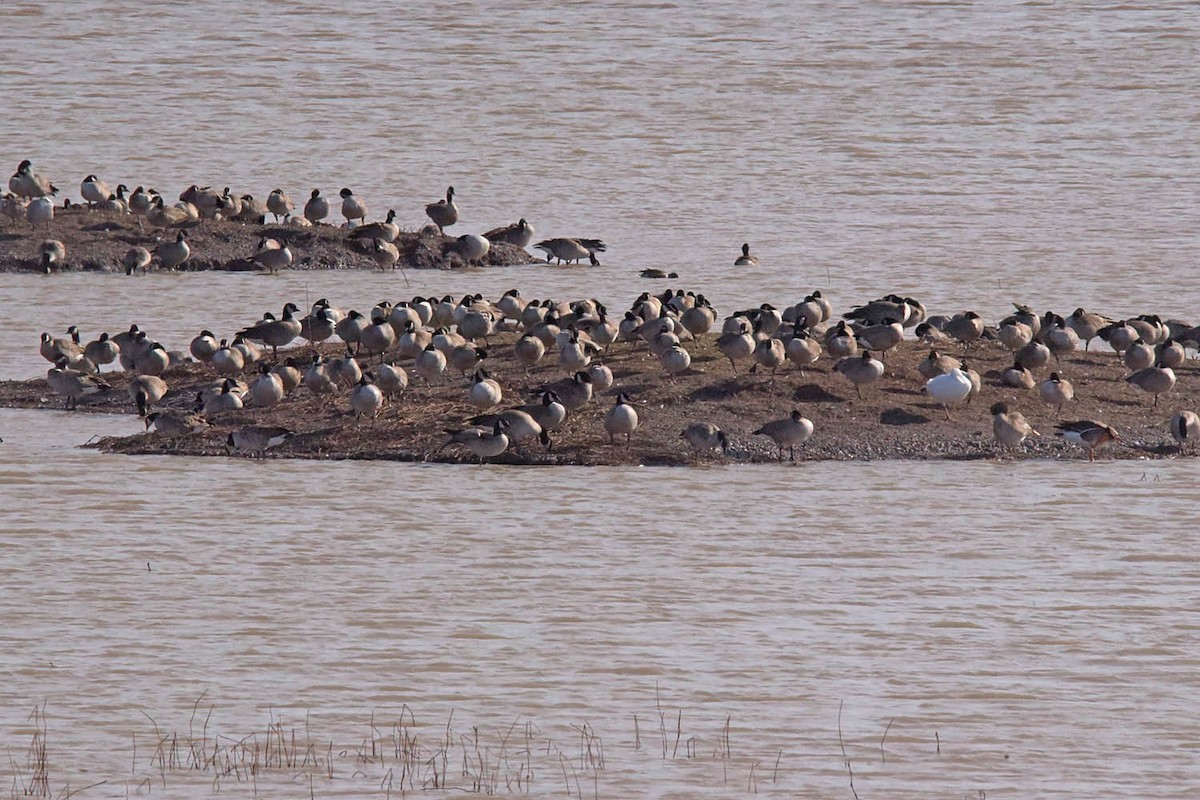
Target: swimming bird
<point>257,439</point>
<point>352,207</point>
<point>705,437</point>
<point>860,371</point>
<point>949,388</point>
<point>1185,429</point>
<point>788,432</point>
<point>1010,427</point>
<point>1088,434</point>
<point>1154,380</point>
<point>572,250</point>
<point>1056,391</point>
<point>519,233</point>
<point>316,208</point>
<point>27,183</point>
<point>621,418</point>
<point>745,259</point>
<point>444,213</point>
<point>280,204</point>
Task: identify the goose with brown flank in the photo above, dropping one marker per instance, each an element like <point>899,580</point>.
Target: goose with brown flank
<point>1088,434</point>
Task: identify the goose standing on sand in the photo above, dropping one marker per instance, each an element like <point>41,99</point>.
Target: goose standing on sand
<point>257,439</point>
<point>267,389</point>
<point>485,392</point>
<point>352,207</point>
<point>385,254</point>
<point>1154,380</point>
<point>1088,434</point>
<point>1185,429</point>
<point>391,379</point>
<point>27,183</point>
<point>1087,326</point>
<point>528,351</point>
<point>52,348</point>
<point>444,213</point>
<point>272,254</point>
<point>204,346</point>
<point>472,248</point>
<point>519,233</point>
<point>317,207</point>
<point>12,207</point>
<point>366,399</point>
<point>228,360</point>
<point>73,384</point>
<point>53,255</point>
<point>1138,355</point>
<point>137,258</point>
<point>171,254</point>
<point>1010,427</point>
<point>280,205</point>
<point>275,333</point>
<point>145,391</point>
<point>572,250</point>
<point>1171,353</point>
<point>94,191</point>
<point>153,360</point>
<point>40,211</point>
<point>102,351</point>
<point>429,364</point>
<point>883,337</point>
<point>738,343</point>
<point>745,259</point>
<point>1056,391</point>
<point>949,388</point>
<point>483,442</point>
<point>706,437</point>
<point>840,342</point>
<point>860,371</point>
<point>788,432</point>
<point>966,328</point>
<point>621,418</point>
<point>387,230</point>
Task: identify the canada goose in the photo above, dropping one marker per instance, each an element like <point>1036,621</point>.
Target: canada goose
<point>1014,334</point>
<point>203,346</point>
<point>548,412</point>
<point>52,349</point>
<point>226,360</point>
<point>770,354</point>
<point>115,203</point>
<point>840,342</point>
<point>802,349</point>
<point>40,211</point>
<point>1034,355</point>
<point>1018,377</point>
<point>737,344</point>
<point>53,254</point>
<point>94,191</point>
<point>429,364</point>
<point>205,199</point>
<point>174,423</point>
<point>317,327</point>
<point>101,351</point>
<point>476,324</point>
<point>1138,355</point>
<point>885,336</point>
<point>1056,391</point>
<point>257,439</point>
<point>12,207</point>
<point>949,388</point>
<point>1086,325</point>
<point>1119,335</point>
<point>404,317</point>
<point>891,307</point>
<point>171,254</point>
<point>140,203</point>
<point>621,418</point>
<point>472,248</point>
<point>860,371</point>
<point>1088,434</point>
<point>745,259</point>
<point>1150,327</point>
<point>519,233</point>
<point>275,333</point>
<point>366,399</point>
<point>675,360</point>
<point>1060,339</point>
<point>966,328</point>
<point>574,354</point>
<point>445,341</point>
<point>228,399</point>
<point>485,392</point>
<point>787,432</point>
<point>153,360</point>
<point>388,230</point>
<point>483,442</point>
<point>937,364</point>
<point>27,183</point>
<point>385,254</point>
<point>574,393</point>
<point>391,379</point>
<point>345,371</point>
<point>699,319</point>
<point>1154,380</point>
<point>350,329</point>
<point>465,357</point>
<point>280,205</point>
<point>267,389</point>
<point>136,258</point>
<point>571,250</point>
<point>145,391</point>
<point>1185,429</point>
<point>272,254</point>
<point>528,351</point>
<point>413,340</point>
<point>705,436</point>
<point>318,378</point>
<point>652,272</point>
<point>1010,427</point>
<point>73,384</point>
<point>352,207</point>
<point>443,213</point>
<point>317,207</point>
<point>129,351</point>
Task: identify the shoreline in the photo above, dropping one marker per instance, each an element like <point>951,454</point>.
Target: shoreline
<point>894,420</point>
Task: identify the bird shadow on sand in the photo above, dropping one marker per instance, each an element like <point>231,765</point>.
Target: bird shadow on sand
<point>812,393</point>
<point>899,416</point>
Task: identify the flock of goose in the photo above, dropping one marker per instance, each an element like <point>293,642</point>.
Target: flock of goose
<point>424,339</point>
<point>30,193</point>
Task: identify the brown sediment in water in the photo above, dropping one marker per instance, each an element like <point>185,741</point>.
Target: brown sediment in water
<point>894,419</point>
<point>97,241</point>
